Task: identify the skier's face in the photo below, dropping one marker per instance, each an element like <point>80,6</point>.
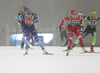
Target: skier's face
<point>25,12</point>
<point>94,15</point>
<point>73,15</point>
<point>29,16</point>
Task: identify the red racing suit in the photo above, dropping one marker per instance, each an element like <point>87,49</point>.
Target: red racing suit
<point>73,28</point>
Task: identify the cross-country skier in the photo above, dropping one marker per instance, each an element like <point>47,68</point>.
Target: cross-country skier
<point>73,22</point>
<point>80,26</point>
<point>28,21</point>
<point>23,13</point>
<point>91,28</point>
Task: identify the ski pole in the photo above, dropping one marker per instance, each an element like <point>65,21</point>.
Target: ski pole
<point>66,15</point>
<point>16,35</point>
<point>68,11</point>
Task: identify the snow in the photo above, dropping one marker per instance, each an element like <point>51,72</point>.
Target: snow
<point>13,61</point>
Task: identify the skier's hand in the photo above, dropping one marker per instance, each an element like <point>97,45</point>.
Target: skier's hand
<point>63,27</point>
<point>35,13</point>
<point>59,28</point>
<point>80,31</point>
<point>81,28</point>
<point>84,16</point>
<point>35,21</point>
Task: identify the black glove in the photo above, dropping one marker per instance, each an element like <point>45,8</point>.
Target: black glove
<point>84,16</point>
<point>59,28</point>
<point>81,28</point>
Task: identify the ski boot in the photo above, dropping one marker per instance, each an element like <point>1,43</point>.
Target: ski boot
<point>84,50</point>
<point>92,50</point>
<point>26,50</point>
<point>65,43</point>
<point>68,50</point>
<point>45,52</point>
<point>26,53</point>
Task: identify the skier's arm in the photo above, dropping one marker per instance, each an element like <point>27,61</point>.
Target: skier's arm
<point>81,24</point>
<point>86,18</point>
<point>64,19</point>
<point>19,17</point>
<point>63,27</point>
<point>36,18</point>
<point>83,20</point>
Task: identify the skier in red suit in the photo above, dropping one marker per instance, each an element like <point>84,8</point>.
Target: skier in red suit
<point>73,21</point>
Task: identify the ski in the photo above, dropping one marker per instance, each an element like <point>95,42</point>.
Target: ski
<point>25,54</point>
<point>93,52</point>
<point>48,53</point>
<point>90,52</point>
<point>64,50</point>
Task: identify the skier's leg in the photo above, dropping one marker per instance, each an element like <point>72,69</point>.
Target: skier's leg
<point>84,34</point>
<point>93,41</point>
<point>37,39</point>
<point>23,40</point>
<point>26,34</point>
<point>78,34</point>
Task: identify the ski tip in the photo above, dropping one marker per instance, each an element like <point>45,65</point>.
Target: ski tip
<point>48,53</point>
<point>89,52</point>
<point>63,50</point>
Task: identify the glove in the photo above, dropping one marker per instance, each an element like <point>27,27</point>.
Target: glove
<point>59,28</point>
<point>84,16</point>
<point>81,28</point>
<point>36,18</point>
<point>35,21</point>
<point>34,13</point>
